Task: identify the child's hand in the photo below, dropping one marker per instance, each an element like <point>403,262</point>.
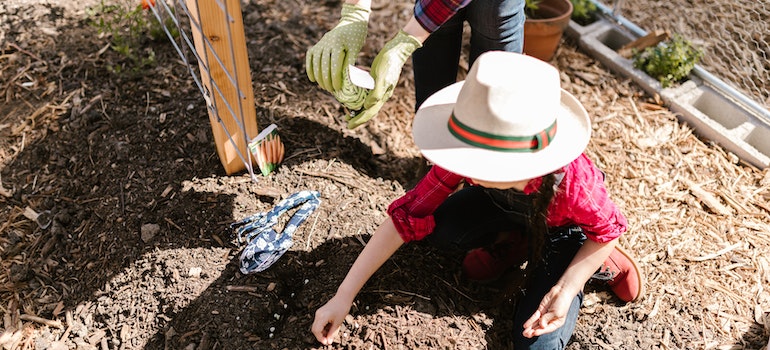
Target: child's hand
<point>328,320</point>
<point>551,313</point>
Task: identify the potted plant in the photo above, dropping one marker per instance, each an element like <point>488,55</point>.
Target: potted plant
<point>544,26</point>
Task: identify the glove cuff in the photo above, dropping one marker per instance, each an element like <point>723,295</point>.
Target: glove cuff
<point>408,41</point>
<point>354,13</point>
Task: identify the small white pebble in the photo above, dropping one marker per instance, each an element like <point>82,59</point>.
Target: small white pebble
<point>307,280</point>
<point>272,329</point>
<point>195,272</point>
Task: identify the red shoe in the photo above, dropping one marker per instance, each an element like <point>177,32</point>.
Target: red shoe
<point>622,274</point>
<point>488,264</point>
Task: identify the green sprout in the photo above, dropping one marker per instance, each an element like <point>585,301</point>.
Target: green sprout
<point>130,28</point>
<point>583,11</point>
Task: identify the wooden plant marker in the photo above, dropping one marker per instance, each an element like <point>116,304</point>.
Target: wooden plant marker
<point>224,53</point>
<point>649,40</point>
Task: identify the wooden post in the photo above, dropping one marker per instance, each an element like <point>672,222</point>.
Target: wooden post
<point>225,55</point>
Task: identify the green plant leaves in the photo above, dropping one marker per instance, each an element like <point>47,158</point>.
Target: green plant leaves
<point>583,11</point>
<point>129,28</point>
<point>670,61</point>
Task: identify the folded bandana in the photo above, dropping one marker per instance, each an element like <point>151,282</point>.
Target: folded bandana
<point>266,245</point>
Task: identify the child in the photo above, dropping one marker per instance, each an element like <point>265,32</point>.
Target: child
<point>516,140</point>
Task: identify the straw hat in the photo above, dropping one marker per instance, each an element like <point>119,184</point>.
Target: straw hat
<point>508,121</point>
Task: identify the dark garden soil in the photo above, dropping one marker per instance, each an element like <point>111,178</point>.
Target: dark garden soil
<point>115,209</point>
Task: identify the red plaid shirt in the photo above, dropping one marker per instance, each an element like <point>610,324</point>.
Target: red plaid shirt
<point>581,199</point>
<point>431,14</point>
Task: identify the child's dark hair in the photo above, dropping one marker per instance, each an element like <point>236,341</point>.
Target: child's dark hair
<point>536,236</point>
<point>538,219</point>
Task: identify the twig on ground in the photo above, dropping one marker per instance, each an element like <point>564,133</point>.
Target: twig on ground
<point>706,197</point>
<point>44,321</point>
<point>248,289</point>
<point>334,178</point>
<point>457,290</point>
<point>716,254</point>
<point>381,291</point>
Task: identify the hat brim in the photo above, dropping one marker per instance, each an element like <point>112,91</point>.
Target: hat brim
<point>437,144</point>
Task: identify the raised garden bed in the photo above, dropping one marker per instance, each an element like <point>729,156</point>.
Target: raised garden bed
<point>713,114</point>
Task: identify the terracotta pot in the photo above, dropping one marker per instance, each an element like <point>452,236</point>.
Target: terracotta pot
<point>543,30</point>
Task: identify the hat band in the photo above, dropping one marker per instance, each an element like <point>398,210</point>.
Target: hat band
<point>490,141</point>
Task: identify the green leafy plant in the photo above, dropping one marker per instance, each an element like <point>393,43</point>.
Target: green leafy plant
<point>583,11</point>
<point>130,27</point>
<point>670,61</point>
<point>530,7</point>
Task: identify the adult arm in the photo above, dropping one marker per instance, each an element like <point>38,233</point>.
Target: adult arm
<point>329,317</point>
<point>386,67</point>
<point>363,3</point>
<point>431,14</point>
<point>414,29</point>
<point>386,70</point>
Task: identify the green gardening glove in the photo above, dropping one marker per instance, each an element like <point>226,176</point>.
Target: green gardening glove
<point>386,69</point>
<point>338,48</point>
<point>350,95</point>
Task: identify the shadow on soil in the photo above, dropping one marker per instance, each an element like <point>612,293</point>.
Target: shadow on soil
<point>105,174</point>
<point>275,308</point>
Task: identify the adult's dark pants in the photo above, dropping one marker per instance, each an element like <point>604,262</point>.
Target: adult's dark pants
<point>495,25</point>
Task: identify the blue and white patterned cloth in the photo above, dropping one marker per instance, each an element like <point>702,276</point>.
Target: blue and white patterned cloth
<point>266,245</point>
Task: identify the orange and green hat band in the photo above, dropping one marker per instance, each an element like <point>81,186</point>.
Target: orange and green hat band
<point>495,142</point>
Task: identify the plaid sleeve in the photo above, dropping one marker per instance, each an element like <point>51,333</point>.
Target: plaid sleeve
<point>589,205</point>
<point>431,14</point>
<point>412,213</point>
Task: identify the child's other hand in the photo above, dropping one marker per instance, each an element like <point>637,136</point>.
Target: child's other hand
<point>550,315</point>
<point>328,320</point>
